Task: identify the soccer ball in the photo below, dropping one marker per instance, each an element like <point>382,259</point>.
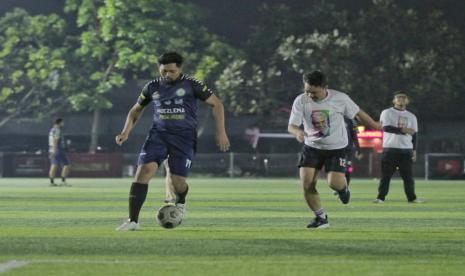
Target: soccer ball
<point>169,216</point>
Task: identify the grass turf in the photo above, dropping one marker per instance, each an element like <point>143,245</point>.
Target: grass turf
<point>233,227</point>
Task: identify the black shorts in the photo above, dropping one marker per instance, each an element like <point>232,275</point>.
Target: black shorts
<point>332,160</point>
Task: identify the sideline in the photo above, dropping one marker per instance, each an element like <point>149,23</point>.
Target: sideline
<point>4,267</point>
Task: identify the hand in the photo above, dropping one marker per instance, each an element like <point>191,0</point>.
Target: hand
<point>222,141</point>
<point>414,156</point>
<point>121,138</point>
<point>300,136</point>
<point>358,155</point>
<point>407,130</point>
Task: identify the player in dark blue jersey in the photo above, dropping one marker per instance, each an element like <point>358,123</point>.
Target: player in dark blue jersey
<point>173,135</point>
<point>57,153</point>
<point>353,147</point>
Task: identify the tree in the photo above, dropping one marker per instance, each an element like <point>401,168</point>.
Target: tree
<point>403,49</point>
<point>368,54</point>
<point>121,39</point>
<point>32,65</point>
<point>269,77</point>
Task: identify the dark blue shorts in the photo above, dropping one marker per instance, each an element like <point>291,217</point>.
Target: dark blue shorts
<point>59,159</point>
<point>178,147</point>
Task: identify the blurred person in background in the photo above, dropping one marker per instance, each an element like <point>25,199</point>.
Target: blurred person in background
<point>57,153</point>
<point>353,146</point>
<point>399,147</point>
<point>323,148</point>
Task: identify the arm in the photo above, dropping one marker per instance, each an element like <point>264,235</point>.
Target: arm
<point>55,145</point>
<point>366,120</point>
<point>131,119</point>
<point>297,132</point>
<point>399,130</point>
<point>218,114</point>
<point>55,137</point>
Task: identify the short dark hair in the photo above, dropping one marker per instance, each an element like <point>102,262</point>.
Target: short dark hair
<point>399,93</point>
<point>171,57</point>
<point>58,121</point>
<point>315,78</point>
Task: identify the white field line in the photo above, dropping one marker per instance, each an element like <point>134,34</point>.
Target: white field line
<point>20,263</point>
<point>4,267</point>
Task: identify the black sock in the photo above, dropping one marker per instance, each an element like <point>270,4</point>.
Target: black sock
<point>63,179</point>
<point>137,196</point>
<point>181,197</point>
<point>52,181</point>
<point>348,178</point>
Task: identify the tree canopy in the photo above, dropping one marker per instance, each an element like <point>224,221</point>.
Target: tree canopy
<point>32,65</point>
<point>368,54</point>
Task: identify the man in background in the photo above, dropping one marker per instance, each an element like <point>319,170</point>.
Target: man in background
<point>399,147</point>
<point>353,147</point>
<point>57,153</point>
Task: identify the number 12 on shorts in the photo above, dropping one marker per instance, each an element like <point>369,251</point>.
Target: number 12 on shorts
<point>342,162</point>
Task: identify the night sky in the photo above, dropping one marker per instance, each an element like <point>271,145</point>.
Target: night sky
<point>232,19</point>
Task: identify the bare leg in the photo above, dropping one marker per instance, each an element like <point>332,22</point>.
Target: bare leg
<point>52,173</point>
<point>180,187</point>
<point>308,178</point>
<point>337,181</point>
<point>65,171</point>
<point>170,195</point>
<point>145,172</point>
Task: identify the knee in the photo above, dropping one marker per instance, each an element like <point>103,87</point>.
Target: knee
<point>177,180</point>
<point>310,187</point>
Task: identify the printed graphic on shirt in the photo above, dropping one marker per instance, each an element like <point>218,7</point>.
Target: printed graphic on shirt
<point>321,122</point>
<point>402,122</point>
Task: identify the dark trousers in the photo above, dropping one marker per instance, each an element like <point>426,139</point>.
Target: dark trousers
<point>390,161</point>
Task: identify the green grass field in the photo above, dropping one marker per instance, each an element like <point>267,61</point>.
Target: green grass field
<point>233,227</point>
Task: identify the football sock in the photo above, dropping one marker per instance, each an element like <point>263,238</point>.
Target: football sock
<point>137,196</point>
<point>348,178</point>
<point>52,181</point>
<point>63,179</point>
<point>320,213</point>
<point>181,197</point>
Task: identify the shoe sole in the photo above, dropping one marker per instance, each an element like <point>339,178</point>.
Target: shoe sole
<point>323,226</point>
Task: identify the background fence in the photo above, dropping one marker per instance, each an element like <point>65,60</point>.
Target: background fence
<point>429,166</point>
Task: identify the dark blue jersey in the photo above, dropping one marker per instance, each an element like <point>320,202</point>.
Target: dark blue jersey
<point>351,127</point>
<point>174,103</point>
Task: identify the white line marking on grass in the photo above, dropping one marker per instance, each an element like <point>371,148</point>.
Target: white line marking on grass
<point>4,267</point>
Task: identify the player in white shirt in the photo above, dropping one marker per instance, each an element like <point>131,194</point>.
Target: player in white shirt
<point>399,147</point>
<point>321,111</point>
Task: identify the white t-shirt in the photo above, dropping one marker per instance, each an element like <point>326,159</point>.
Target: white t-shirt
<point>324,120</point>
<point>398,118</point>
